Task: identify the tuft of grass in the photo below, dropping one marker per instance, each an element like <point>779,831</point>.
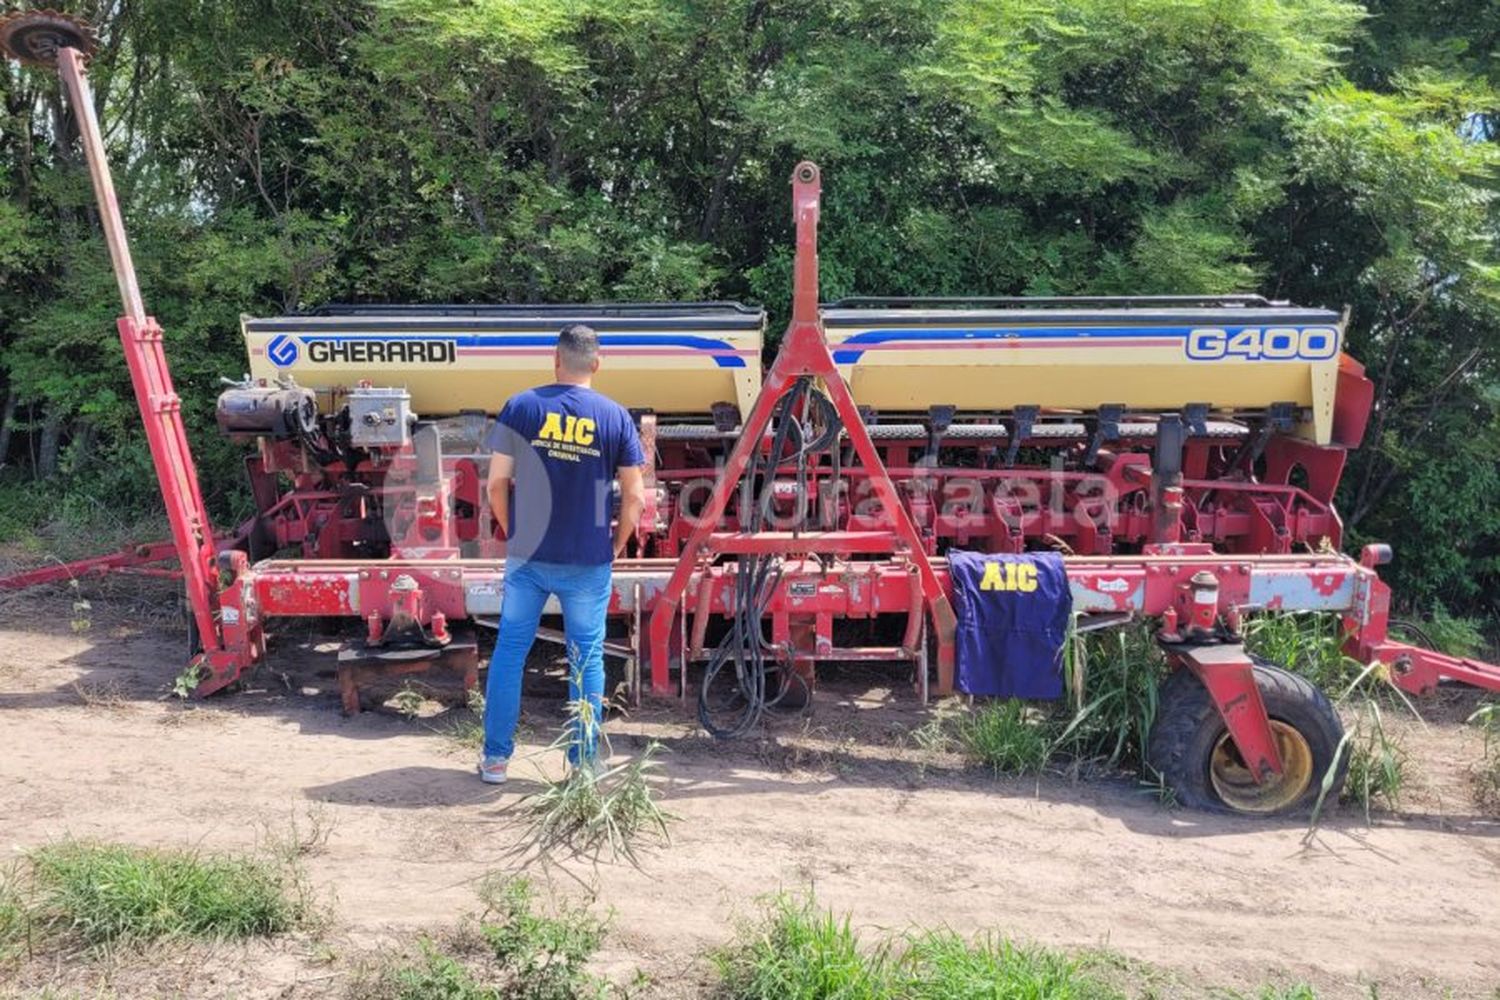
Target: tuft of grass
<point>466,728</point>
<point>1309,643</point>
<point>105,893</point>
<point>1153,784</point>
<point>797,950</point>
<point>1008,737</point>
<point>1486,774</point>
<point>1112,725</point>
<point>1377,762</point>
<point>1297,991</point>
<point>15,918</point>
<point>592,810</point>
<point>940,964</point>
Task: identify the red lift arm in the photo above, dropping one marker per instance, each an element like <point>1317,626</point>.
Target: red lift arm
<point>47,39</point>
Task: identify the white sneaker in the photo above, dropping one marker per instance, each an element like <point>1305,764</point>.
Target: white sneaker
<point>492,770</point>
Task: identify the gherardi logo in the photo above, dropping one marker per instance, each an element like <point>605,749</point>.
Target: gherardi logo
<point>404,351</point>
<point>1019,577</point>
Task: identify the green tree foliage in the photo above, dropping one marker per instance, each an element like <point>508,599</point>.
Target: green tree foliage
<point>274,155</point>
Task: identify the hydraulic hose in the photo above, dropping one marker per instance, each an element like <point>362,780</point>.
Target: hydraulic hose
<point>754,658</point>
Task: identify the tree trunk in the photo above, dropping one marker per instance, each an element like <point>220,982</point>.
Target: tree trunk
<point>7,424</point>
<point>727,164</point>
<point>50,444</point>
<point>81,449</point>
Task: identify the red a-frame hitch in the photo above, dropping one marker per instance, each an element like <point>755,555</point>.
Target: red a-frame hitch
<point>803,353</point>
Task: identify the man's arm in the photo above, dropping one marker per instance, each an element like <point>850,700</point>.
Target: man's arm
<point>502,468</point>
<point>632,502</point>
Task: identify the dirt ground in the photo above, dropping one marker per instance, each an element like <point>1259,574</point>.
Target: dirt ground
<point>839,801</point>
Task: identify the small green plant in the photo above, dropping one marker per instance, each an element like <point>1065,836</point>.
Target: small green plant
<point>1298,991</point>
<point>1487,718</point>
<point>936,735</point>
<point>517,953</point>
<point>82,610</point>
<point>1153,784</point>
<point>436,977</point>
<point>1377,761</point>
<point>1006,736</point>
<point>408,701</point>
<point>1486,774</point>
<point>541,957</point>
<point>188,680</point>
<point>109,892</point>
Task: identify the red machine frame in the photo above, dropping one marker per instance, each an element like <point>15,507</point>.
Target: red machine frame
<point>1198,593</point>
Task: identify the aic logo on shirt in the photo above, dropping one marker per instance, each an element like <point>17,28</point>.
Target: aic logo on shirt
<point>566,437</point>
<point>575,430</point>
<point>1019,577</point>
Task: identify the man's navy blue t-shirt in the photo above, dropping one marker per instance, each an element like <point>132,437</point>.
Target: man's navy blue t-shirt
<point>567,442</point>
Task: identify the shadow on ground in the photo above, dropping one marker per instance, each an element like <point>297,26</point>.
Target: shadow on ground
<point>856,735</point>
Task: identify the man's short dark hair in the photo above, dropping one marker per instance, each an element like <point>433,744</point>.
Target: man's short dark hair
<point>578,348</point>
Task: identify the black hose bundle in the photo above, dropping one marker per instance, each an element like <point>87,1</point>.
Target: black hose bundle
<point>762,679</point>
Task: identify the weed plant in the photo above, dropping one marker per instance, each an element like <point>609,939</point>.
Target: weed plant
<point>1008,737</point>
<point>1118,672</point>
<point>541,957</point>
<point>15,918</point>
<point>466,728</point>
<point>522,954</point>
<point>798,951</point>
<point>595,808</point>
<point>1377,761</point>
<point>106,893</point>
<point>437,976</point>
<point>1305,642</point>
<point>1486,774</point>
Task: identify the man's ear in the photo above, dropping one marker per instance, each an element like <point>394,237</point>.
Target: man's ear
<point>596,364</point>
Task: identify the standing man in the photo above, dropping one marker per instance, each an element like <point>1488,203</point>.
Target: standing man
<point>562,445</point>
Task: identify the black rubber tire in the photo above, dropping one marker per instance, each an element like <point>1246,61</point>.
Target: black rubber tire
<point>1188,727</point>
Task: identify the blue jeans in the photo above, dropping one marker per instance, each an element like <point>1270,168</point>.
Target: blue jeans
<point>583,592</point>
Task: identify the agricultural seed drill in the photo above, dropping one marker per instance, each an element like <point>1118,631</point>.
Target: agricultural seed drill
<point>1181,452</point>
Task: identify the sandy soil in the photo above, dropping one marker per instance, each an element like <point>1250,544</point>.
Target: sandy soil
<point>92,747</point>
